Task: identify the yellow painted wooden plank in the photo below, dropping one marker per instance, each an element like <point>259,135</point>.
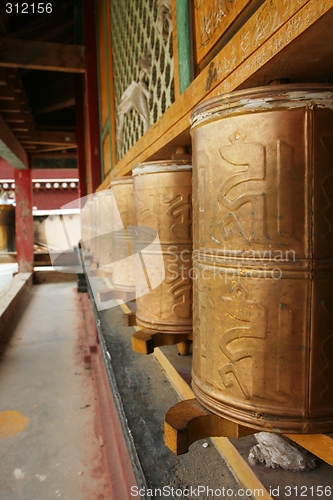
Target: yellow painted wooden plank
<point>37,54</point>
<point>242,470</point>
<point>320,445</point>
<point>182,387</point>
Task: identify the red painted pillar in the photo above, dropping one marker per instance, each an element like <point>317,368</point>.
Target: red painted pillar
<point>24,227</point>
<point>92,118</point>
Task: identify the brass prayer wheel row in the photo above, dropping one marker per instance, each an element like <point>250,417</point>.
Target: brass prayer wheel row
<point>261,258</point>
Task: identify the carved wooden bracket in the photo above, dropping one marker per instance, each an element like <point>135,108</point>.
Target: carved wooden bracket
<point>188,421</point>
<point>114,294</point>
<point>144,341</point>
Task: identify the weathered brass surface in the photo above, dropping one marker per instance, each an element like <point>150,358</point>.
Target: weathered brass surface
<point>85,225</point>
<point>123,238</point>
<point>162,198</point>
<point>263,249</point>
<point>95,228</point>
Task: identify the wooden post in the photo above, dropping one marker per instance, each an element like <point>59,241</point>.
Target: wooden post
<point>92,121</point>
<point>183,44</point>
<point>24,221</point>
<point>80,137</point>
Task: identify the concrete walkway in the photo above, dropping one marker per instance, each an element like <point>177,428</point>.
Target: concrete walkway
<point>6,273</point>
<point>51,443</point>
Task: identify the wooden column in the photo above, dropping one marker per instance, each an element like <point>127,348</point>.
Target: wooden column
<point>92,121</point>
<point>183,44</point>
<point>80,136</point>
<point>24,221</point>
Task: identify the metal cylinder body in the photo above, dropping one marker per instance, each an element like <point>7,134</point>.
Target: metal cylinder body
<point>95,227</point>
<point>162,197</point>
<point>263,249</point>
<point>86,224</point>
<point>122,237</point>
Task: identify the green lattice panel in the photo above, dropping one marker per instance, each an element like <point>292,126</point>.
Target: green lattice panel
<point>135,34</point>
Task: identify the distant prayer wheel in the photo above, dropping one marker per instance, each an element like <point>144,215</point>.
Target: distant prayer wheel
<point>7,228</point>
<point>106,210</point>
<point>162,198</point>
<point>86,224</point>
<point>122,235</point>
<point>263,257</point>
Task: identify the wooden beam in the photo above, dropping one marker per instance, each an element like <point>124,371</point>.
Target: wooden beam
<point>10,148</point>
<point>6,94</point>
<point>66,139</point>
<point>61,103</point>
<point>52,155</point>
<point>7,106</point>
<point>47,149</point>
<point>2,76</point>
<point>60,93</point>
<point>30,54</point>
<point>14,93</point>
<point>56,30</point>
<point>17,117</point>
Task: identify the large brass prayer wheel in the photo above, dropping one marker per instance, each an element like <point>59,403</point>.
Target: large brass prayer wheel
<point>263,257</point>
<point>162,201</point>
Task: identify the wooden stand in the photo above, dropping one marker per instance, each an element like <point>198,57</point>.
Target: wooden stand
<point>185,347</point>
<point>188,421</point>
<point>144,341</point>
<point>129,319</point>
